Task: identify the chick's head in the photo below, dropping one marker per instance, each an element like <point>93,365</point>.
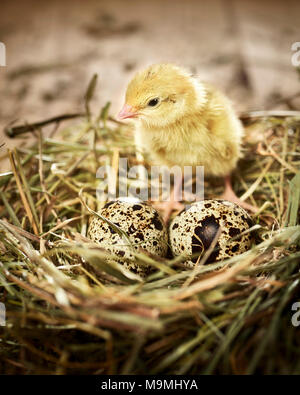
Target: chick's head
<point>161,95</point>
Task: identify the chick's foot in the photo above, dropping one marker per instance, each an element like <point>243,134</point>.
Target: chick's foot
<point>230,195</point>
<point>168,207</point>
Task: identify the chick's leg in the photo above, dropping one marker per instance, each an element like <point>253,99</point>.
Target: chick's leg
<point>174,201</point>
<point>230,195</point>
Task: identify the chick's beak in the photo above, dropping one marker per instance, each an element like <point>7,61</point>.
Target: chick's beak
<point>127,112</point>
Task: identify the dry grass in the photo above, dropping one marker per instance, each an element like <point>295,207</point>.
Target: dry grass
<point>65,317</point>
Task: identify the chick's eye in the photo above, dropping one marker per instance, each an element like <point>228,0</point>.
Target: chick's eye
<point>153,102</point>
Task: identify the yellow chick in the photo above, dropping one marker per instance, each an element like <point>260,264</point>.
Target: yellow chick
<point>182,121</point>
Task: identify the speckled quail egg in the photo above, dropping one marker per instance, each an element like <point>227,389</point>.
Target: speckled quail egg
<point>143,225</point>
<point>193,230</point>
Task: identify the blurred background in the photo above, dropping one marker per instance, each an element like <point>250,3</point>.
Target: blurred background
<point>54,47</point>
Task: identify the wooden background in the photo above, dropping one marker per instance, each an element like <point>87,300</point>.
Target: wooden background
<point>54,47</point>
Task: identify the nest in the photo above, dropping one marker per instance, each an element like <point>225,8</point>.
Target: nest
<point>69,310</point>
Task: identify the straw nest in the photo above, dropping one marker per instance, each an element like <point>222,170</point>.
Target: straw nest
<point>69,310</point>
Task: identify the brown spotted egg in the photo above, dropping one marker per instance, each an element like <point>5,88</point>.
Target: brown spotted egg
<point>143,226</point>
<point>193,230</point>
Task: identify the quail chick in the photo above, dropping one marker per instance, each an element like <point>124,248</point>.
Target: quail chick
<point>182,121</point>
